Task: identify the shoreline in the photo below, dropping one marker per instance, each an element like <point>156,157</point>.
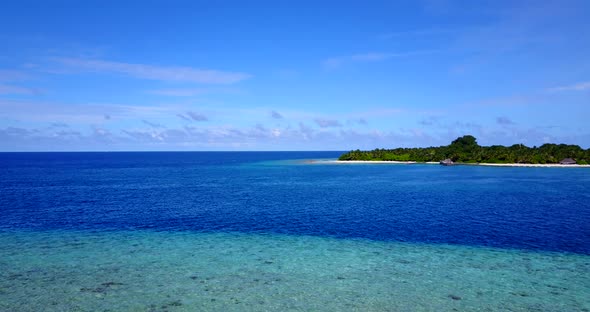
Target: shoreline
<point>456,164</point>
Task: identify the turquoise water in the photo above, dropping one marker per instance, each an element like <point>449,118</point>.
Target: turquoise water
<point>273,232</point>
<point>170,271</point>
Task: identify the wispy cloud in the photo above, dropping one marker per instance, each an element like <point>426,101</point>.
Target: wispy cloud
<point>327,123</point>
<point>336,62</point>
<point>381,112</point>
<point>10,89</point>
<point>430,121</point>
<point>513,100</point>
<point>360,121</point>
<point>77,115</point>
<point>144,71</point>
<point>276,115</point>
<point>581,86</point>
<point>59,125</point>
<point>417,32</point>
<point>333,62</point>
<point>179,92</point>
<point>192,116</point>
<point>259,137</point>
<point>183,117</point>
<point>68,133</point>
<point>152,124</point>
<point>504,121</point>
<point>371,57</point>
<point>197,117</point>
<point>11,76</point>
<point>527,29</point>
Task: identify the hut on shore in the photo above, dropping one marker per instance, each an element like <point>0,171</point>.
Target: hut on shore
<point>567,161</point>
<point>447,162</point>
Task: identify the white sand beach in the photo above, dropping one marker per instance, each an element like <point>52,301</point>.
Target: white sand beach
<point>533,165</point>
<point>436,163</point>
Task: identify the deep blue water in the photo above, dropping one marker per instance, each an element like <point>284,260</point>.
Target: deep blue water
<point>269,192</point>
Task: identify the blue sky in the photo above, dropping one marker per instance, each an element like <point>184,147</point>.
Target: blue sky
<point>291,75</point>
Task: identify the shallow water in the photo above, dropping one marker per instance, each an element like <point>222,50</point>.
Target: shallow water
<point>262,231</point>
<point>157,271</point>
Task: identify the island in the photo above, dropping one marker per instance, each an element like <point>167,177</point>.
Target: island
<point>466,150</point>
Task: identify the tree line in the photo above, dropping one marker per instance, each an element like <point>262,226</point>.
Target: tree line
<point>466,150</point>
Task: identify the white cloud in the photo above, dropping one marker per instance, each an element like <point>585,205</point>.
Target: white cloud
<point>360,121</point>
<point>197,117</point>
<point>373,57</point>
<point>12,75</point>
<point>59,125</point>
<point>192,116</point>
<point>505,121</point>
<point>581,86</point>
<point>417,32</point>
<point>336,62</point>
<point>276,115</point>
<point>82,113</point>
<point>179,92</point>
<point>162,73</point>
<point>526,29</point>
<point>9,89</point>
<point>152,124</point>
<point>257,137</point>
<point>327,123</point>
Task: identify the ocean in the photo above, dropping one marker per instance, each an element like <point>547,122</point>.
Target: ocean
<point>272,231</point>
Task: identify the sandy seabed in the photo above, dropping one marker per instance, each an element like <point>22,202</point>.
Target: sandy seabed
<point>184,271</point>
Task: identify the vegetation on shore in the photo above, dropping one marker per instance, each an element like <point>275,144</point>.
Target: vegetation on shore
<point>466,150</point>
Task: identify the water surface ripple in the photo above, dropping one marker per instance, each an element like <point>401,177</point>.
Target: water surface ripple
<point>271,232</point>
<point>525,208</point>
